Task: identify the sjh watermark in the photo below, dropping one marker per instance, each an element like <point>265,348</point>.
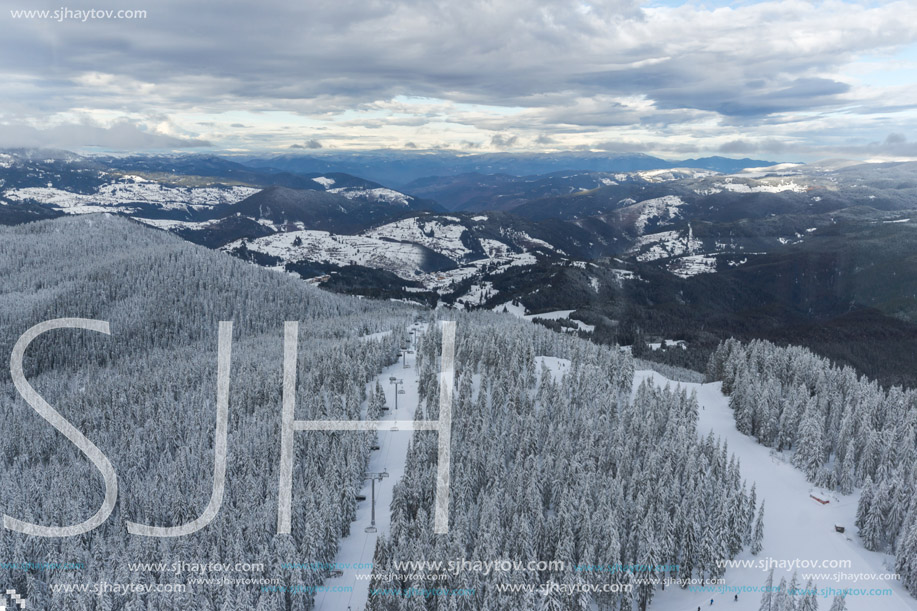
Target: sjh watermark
<point>65,13</point>
<point>289,426</point>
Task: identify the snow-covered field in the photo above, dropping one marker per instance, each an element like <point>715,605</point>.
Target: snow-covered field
<point>557,366</point>
<point>441,281</point>
<point>379,194</point>
<point>762,187</point>
<point>395,247</point>
<point>665,244</point>
<point>796,527</point>
<point>660,209</point>
<point>674,174</point>
<point>169,225</point>
<point>443,237</point>
<point>692,265</point>
<point>669,343</point>
<point>562,315</point>
<point>324,181</point>
<point>131,190</point>
<point>510,308</point>
<point>400,258</point>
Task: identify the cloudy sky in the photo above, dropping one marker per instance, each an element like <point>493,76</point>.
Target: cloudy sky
<point>786,80</point>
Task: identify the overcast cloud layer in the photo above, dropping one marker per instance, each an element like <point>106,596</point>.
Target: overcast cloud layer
<point>789,79</point>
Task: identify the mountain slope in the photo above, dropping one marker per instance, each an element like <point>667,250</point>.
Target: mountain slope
<point>401,168</point>
<point>145,395</point>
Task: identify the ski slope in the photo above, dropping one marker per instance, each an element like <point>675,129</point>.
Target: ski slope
<point>355,553</point>
<point>795,525</point>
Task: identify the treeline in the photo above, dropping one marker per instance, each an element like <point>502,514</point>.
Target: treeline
<point>792,597</point>
<point>146,396</point>
<point>844,431</point>
<point>568,468</point>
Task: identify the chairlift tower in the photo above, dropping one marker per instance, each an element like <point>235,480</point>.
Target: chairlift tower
<point>398,390</point>
<point>372,477</point>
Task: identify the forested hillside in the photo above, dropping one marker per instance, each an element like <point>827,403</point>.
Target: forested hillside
<point>555,457</point>
<point>145,395</point>
<point>843,430</point>
<point>553,461</point>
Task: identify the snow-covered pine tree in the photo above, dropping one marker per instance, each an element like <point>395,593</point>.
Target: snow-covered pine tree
<point>757,542</point>
<point>808,601</point>
<point>767,596</point>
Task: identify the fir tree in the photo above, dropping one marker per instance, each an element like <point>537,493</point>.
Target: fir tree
<point>758,536</point>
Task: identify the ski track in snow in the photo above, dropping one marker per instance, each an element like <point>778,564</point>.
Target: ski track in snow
<point>358,547</point>
<point>795,525</point>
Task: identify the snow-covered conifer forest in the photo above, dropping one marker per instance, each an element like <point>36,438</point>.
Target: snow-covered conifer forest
<point>564,453</point>
<point>843,431</point>
<point>145,395</point>
<point>565,468</point>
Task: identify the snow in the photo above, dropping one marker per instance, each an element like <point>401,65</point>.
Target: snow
<point>516,310</point>
<point>898,221</point>
<point>400,258</point>
<point>379,194</point>
<point>556,315</point>
<point>762,187</point>
<point>477,294</point>
<point>130,190</point>
<point>396,247</point>
<point>781,168</point>
<point>375,336</point>
<point>686,267</point>
<point>556,365</point>
<point>669,343</point>
<point>623,274</point>
<point>324,181</point>
<point>494,248</point>
<point>443,237</point>
<point>674,174</point>
<point>525,240</point>
<point>665,244</point>
<point>478,219</point>
<point>561,315</point>
<point>795,526</point>
<point>663,208</point>
<point>172,225</point>
<point>594,283</point>
<point>357,549</point>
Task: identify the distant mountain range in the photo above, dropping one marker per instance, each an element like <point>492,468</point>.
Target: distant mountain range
<point>398,168</point>
<point>820,254</point>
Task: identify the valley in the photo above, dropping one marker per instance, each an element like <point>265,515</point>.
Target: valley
<point>814,253</point>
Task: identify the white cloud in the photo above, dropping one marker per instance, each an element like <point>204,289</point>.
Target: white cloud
<point>558,73</point>
<point>122,135</point>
